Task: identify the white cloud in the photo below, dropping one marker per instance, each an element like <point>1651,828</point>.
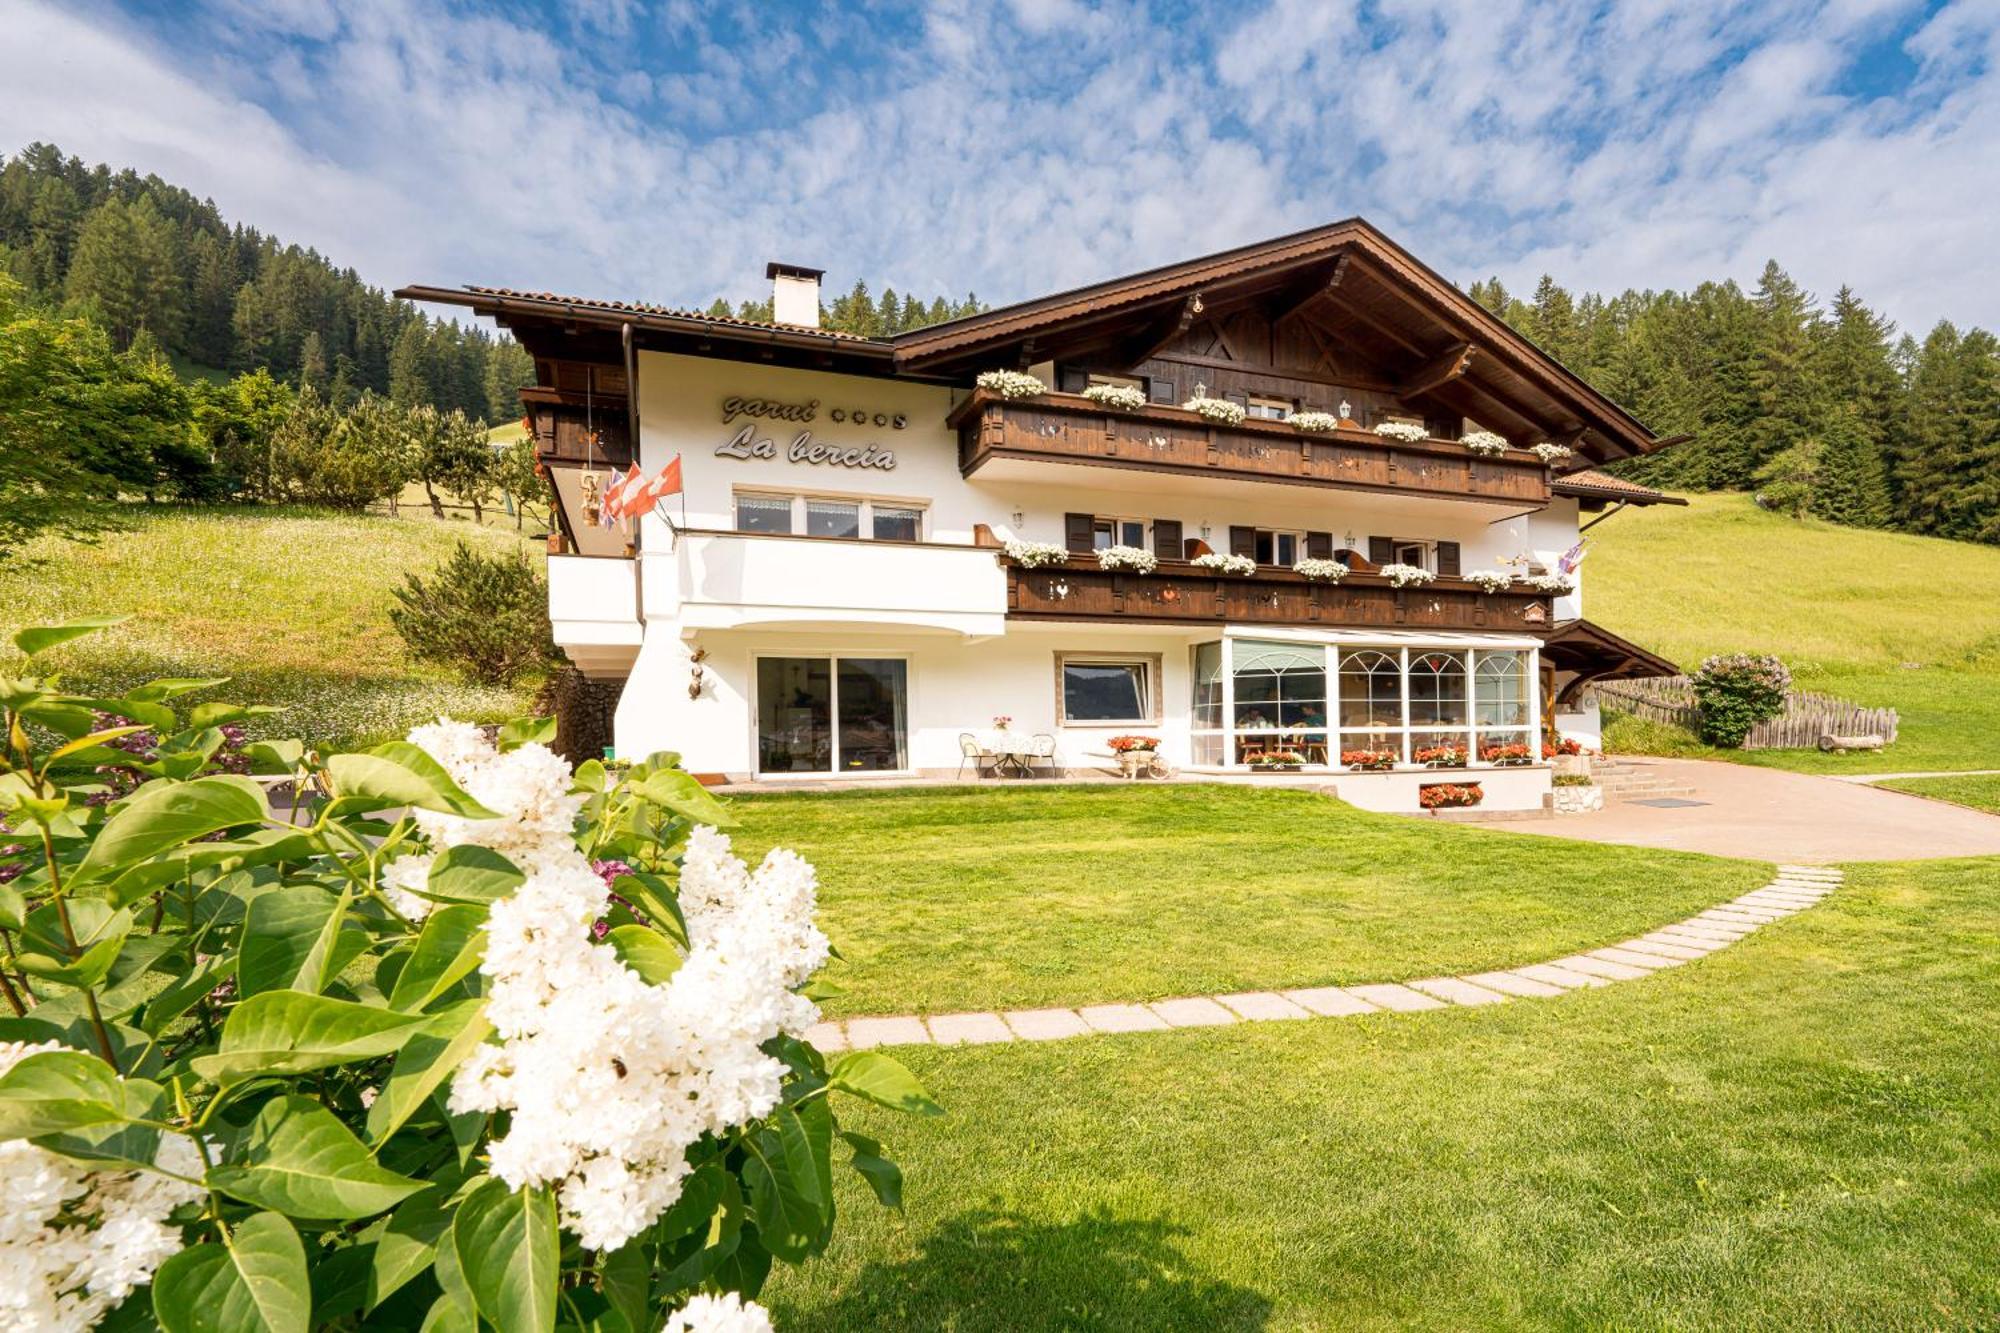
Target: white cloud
<point>1016,151</point>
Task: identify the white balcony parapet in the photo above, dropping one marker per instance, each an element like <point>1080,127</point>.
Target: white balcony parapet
<point>723,580</point>
<point>594,611</point>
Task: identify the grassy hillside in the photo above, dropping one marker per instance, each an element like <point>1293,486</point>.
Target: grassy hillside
<point>290,603</point>
<point>1885,619</point>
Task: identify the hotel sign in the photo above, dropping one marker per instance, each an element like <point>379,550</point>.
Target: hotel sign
<point>747,444</point>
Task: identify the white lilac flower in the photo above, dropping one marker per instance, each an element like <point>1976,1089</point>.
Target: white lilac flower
<point>609,1079</point>
<point>727,1313</point>
<point>74,1242</point>
<point>403,875</point>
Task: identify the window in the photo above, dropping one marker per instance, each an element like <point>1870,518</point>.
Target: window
<point>1280,700</point>
<point>1117,532</point>
<point>764,513</point>
<point>825,516</point>
<point>1413,553</point>
<point>833,518</point>
<point>832,715</point>
<point>1103,689</point>
<point>1271,409</point>
<point>1120,381</point>
<point>1205,717</point>
<point>1278,548</point>
<point>895,523</point>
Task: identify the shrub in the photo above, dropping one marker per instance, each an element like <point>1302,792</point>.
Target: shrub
<point>486,615</point>
<point>1736,691</point>
<point>528,1047</point>
<point>343,460</point>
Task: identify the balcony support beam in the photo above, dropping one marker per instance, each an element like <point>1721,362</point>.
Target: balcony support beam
<point>1295,299</point>
<point>1440,370</point>
<point>1158,337</point>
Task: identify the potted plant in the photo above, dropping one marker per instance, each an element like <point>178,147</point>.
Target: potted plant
<point>1313,423</point>
<point>1034,555</point>
<point>1406,576</point>
<point>1320,571</point>
<point>1485,443</point>
<point>1368,760</point>
<point>1280,761</point>
<point>1569,757</point>
<point>1118,397</point>
<point>1550,452</point>
<point>1002,722</point>
<point>1132,559</point>
<point>1011,383</point>
<point>1409,432</point>
<point>1225,564</point>
<point>1505,753</point>
<point>1575,794</point>
<point>1449,795</point>
<point>1446,754</point>
<point>1135,754</point>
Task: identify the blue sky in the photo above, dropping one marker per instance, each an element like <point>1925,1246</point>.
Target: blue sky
<point>667,150</point>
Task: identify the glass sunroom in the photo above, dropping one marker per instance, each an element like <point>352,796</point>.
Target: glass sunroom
<point>1373,702</point>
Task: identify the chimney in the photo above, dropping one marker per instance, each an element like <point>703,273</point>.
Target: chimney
<point>794,294</point>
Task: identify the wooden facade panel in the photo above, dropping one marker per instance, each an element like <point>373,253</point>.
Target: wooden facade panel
<point>1074,430</point>
<point>1176,595</point>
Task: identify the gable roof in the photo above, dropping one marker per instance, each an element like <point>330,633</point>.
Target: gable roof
<point>1590,484</point>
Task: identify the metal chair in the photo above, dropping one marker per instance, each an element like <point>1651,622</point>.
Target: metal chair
<point>970,751</point>
<point>1044,748</point>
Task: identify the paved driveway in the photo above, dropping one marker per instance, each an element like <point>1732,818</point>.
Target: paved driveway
<point>1769,815</point>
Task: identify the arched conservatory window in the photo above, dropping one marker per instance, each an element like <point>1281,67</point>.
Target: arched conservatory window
<point>1371,705</point>
<point>1501,708</point>
<point>1280,700</point>
<point>1438,710</point>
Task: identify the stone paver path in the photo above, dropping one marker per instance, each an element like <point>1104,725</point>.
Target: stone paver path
<point>1796,888</point>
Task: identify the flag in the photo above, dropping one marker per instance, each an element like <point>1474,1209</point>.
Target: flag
<point>1571,559</point>
<point>659,488</point>
<point>618,494</point>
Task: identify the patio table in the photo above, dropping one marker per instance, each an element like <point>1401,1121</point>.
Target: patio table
<point>1012,751</point>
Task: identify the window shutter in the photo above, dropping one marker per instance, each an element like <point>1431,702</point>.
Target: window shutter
<point>1447,560</point>
<point>1381,550</point>
<point>1161,391</point>
<point>1076,531</point>
<point>1243,541</point>
<point>1072,379</point>
<point>1242,400</point>
<point>1319,546</point>
<point>1167,538</point>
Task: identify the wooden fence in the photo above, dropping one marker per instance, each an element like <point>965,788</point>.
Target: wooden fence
<point>1807,716</point>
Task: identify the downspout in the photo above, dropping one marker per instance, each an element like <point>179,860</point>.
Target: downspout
<point>632,434</point>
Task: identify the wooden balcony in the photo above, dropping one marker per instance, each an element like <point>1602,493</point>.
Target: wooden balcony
<point>1182,593</point>
<point>1068,428</point>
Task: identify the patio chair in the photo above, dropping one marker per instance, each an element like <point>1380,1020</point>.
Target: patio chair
<point>970,751</point>
<point>1044,749</point>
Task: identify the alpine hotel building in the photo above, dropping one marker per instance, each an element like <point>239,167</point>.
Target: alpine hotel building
<point>858,575</point>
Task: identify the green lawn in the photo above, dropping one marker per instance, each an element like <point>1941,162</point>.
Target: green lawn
<point>1798,1132</point>
<point>1981,792</point>
<point>943,900</point>
<point>1881,618</point>
<point>291,604</point>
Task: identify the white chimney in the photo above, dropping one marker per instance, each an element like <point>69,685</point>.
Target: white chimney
<point>794,294</point>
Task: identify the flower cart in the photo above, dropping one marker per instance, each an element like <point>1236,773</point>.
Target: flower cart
<point>1138,756</point>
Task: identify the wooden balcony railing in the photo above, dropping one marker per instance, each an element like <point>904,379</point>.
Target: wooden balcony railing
<point>1182,593</point>
<point>1068,428</point>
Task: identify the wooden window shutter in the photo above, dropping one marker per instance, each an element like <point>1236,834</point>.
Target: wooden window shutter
<point>1077,530</point>
<point>1161,391</point>
<point>1167,538</point>
<point>1243,541</point>
<point>1381,550</point>
<point>1319,546</point>
<point>1072,379</point>
<point>1447,560</point>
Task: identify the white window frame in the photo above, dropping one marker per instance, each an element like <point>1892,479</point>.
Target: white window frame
<point>1150,685</point>
<point>833,658</point>
<point>1117,523</point>
<point>1094,379</point>
<point>1298,538</point>
<point>1425,548</point>
<point>1264,407</point>
<point>865,503</point>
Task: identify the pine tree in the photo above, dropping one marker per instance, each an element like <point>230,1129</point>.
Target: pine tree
<point>412,373</point>
<point>124,271</point>
<point>889,313</point>
<point>1552,321</point>
<point>312,364</point>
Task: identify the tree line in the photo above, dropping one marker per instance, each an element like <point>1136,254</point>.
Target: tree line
<point>1817,409</point>
<point>857,311</point>
<point>156,266</point>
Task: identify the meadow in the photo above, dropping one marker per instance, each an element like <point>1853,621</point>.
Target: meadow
<point>1884,619</point>
<point>290,604</point>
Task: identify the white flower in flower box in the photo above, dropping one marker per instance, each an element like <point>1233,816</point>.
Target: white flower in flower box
<point>1556,584</point>
<point>1407,576</point>
<point>1130,558</point>
<point>1011,383</point>
<point>1226,564</point>
<point>1325,571</point>
<point>1485,442</point>
<point>1410,432</point>
<point>1550,452</point>
<point>1119,397</point>
<point>1034,555</point>
<point>1314,423</point>
<point>1216,409</point>
<point>1490,580</point>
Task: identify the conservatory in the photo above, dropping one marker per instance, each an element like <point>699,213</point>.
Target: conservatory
<point>1363,703</point>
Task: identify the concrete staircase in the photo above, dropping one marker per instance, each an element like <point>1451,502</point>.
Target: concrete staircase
<point>1626,780</point>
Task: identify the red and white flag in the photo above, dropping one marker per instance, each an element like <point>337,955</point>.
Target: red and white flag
<point>618,495</point>
<point>660,487</point>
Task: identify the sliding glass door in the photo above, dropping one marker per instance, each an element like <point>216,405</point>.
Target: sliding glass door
<point>832,714</point>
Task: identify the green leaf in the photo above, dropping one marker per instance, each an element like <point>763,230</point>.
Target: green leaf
<point>216,714</point>
<point>589,776</point>
<point>646,952</point>
<point>266,846</point>
<point>13,908</point>
<point>273,757</point>
<point>882,1175</point>
<point>451,945</point>
<point>626,1279</point>
<point>54,1091</point>
<point>298,1159</point>
<point>166,687</point>
<point>163,815</point>
<point>790,1173</point>
<point>882,1080</point>
<point>507,1248</point>
<point>407,1242</point>
<point>469,874</point>
<point>680,793</point>
<point>289,1032</point>
<point>288,939</point>
<point>526,730</point>
<point>398,774</point>
<point>654,895</point>
<point>256,1281</point>
<point>101,941</point>
<point>95,738</point>
<point>425,1062</point>
<point>39,638</point>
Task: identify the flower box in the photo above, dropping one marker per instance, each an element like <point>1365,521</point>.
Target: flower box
<point>1219,410</point>
<point>1409,432</point>
<point>1035,555</point>
<point>1368,761</point>
<point>1118,397</point>
<point>1011,384</point>
<point>1449,795</point>
<point>1320,571</point>
<point>1130,559</point>
<point>1505,755</point>
<point>1225,564</point>
<point>1442,756</point>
